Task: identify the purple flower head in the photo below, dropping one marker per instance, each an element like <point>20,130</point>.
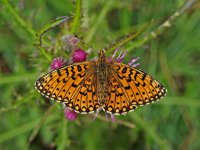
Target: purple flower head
<point>133,62</point>
<point>73,40</point>
<point>70,114</point>
<point>79,55</point>
<point>70,42</point>
<point>57,63</point>
<point>121,56</point>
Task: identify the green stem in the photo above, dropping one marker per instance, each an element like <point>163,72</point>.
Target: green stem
<point>17,131</point>
<point>18,102</point>
<point>167,24</point>
<point>54,23</point>
<point>42,120</point>
<point>180,101</point>
<point>75,25</point>
<point>46,28</point>
<point>151,132</point>
<point>17,78</point>
<point>128,38</point>
<point>44,53</point>
<point>25,25</point>
<point>15,14</point>
<point>117,121</point>
<point>63,136</point>
<point>3,110</point>
<point>22,129</point>
<point>101,16</point>
<point>167,71</point>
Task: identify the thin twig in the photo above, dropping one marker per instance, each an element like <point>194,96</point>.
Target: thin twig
<point>3,110</point>
<point>165,25</point>
<point>19,101</point>
<point>36,129</point>
<point>75,25</point>
<point>151,131</point>
<point>39,35</point>
<point>99,19</point>
<point>25,25</point>
<point>128,38</point>
<point>117,121</point>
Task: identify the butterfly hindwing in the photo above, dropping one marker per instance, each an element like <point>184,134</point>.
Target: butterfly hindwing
<point>85,98</point>
<point>117,101</point>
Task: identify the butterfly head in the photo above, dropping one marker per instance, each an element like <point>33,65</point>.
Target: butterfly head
<point>102,54</point>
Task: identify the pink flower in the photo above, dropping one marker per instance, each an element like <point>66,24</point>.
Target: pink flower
<point>70,42</point>
<point>73,40</point>
<point>121,56</point>
<point>79,55</point>
<point>70,114</point>
<point>57,63</point>
<point>133,62</point>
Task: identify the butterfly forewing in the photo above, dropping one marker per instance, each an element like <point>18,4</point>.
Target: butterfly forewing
<point>60,83</point>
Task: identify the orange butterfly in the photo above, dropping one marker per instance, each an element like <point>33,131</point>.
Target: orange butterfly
<point>88,86</point>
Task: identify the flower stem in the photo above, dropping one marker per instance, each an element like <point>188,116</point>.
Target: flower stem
<point>39,41</point>
<point>38,126</point>
<point>128,38</point>
<point>99,19</point>
<point>75,25</point>
<point>21,22</point>
<point>117,121</point>
<point>165,25</point>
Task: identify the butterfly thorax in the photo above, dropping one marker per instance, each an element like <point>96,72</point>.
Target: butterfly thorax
<point>102,76</point>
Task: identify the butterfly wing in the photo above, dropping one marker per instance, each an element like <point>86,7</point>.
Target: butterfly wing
<point>64,83</point>
<point>117,101</point>
<point>133,87</point>
<point>85,99</point>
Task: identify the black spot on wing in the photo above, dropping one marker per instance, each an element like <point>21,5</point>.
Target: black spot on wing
<point>79,68</point>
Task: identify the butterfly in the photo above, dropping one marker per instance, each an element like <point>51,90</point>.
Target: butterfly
<point>89,86</point>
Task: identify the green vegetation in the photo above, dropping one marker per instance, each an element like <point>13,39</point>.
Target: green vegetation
<point>164,34</point>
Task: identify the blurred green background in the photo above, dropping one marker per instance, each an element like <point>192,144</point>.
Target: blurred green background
<point>173,58</point>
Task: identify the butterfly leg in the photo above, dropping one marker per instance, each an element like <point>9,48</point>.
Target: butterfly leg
<point>112,116</point>
<point>97,112</point>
